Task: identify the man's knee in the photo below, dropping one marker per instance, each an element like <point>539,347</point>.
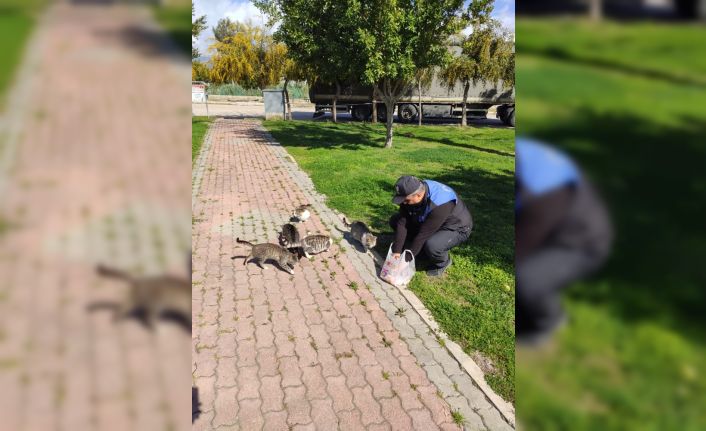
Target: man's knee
<point>435,249</point>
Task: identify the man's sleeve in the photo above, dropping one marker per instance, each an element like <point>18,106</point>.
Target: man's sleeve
<point>400,235</point>
<point>434,220</point>
<point>538,220</point>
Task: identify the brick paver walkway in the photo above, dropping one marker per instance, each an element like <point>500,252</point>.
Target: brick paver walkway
<point>98,172</point>
<point>327,348</point>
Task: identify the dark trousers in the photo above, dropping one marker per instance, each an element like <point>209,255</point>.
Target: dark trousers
<point>436,248</point>
<point>540,278</point>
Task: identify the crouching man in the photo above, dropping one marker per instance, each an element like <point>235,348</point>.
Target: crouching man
<point>432,218</point>
<point>562,234</point>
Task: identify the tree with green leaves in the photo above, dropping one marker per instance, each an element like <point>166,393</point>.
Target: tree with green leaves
<point>224,29</point>
<point>396,39</point>
<point>462,69</point>
<point>197,26</point>
<point>294,71</point>
<point>321,35</point>
<point>423,78</point>
<point>379,42</point>
<point>486,54</point>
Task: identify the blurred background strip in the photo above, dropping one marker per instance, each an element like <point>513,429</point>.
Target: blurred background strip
<point>621,87</point>
<point>95,169</point>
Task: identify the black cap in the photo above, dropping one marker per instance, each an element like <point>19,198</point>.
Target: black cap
<point>404,187</point>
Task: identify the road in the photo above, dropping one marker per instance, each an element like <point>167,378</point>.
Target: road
<point>305,111</point>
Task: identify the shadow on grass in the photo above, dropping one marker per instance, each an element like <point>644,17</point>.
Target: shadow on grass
<point>452,143</point>
<point>558,53</point>
<point>652,178</point>
<point>349,136</point>
<point>355,136</point>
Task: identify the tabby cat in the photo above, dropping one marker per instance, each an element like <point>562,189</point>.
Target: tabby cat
<point>153,296</point>
<point>267,251</point>
<point>315,244</point>
<point>361,233</point>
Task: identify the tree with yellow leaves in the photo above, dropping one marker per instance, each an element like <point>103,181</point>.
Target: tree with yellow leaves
<point>249,57</point>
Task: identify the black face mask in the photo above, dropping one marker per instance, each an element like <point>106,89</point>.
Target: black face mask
<point>418,208</point>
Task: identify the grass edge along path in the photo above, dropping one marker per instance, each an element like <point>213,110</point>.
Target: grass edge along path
<point>17,22</point>
<point>199,127</point>
<point>176,21</point>
<point>474,303</point>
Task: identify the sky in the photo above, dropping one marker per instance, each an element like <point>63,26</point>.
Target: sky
<point>242,10</point>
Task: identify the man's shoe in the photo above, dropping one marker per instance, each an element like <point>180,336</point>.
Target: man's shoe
<point>438,272</point>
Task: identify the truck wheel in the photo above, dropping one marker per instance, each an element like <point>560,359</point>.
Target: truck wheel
<point>511,117</point>
<point>687,9</point>
<point>407,113</point>
<point>382,113</point>
<point>361,112</point>
<point>501,113</point>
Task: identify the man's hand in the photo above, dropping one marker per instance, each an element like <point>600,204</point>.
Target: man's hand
<point>395,255</point>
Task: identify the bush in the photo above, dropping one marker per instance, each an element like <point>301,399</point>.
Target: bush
<point>297,90</point>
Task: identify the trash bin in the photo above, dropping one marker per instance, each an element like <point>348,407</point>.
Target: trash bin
<point>274,104</point>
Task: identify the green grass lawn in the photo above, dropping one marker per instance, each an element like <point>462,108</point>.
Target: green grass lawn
<point>474,304</point>
<point>632,356</point>
<point>17,19</point>
<point>639,48</point>
<point>176,20</point>
<point>199,127</point>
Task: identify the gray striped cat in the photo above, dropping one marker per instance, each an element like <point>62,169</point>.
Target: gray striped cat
<point>311,244</point>
<point>315,244</point>
<point>361,233</point>
<point>261,253</point>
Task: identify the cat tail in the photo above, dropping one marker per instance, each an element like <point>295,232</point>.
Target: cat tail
<point>340,230</point>
<point>111,272</point>
<point>244,242</point>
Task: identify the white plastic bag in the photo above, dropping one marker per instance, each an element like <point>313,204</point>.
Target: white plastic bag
<point>398,272</point>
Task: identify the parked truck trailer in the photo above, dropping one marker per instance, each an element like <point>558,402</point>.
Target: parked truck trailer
<point>437,101</point>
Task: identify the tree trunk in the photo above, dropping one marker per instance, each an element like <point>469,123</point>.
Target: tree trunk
<point>390,106</point>
<point>335,100</point>
<point>288,111</point>
<point>419,88</point>
<point>375,107</point>
<point>596,10</point>
<point>463,109</point>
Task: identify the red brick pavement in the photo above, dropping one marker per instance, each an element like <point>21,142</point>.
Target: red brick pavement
<point>278,351</point>
<point>100,174</point>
